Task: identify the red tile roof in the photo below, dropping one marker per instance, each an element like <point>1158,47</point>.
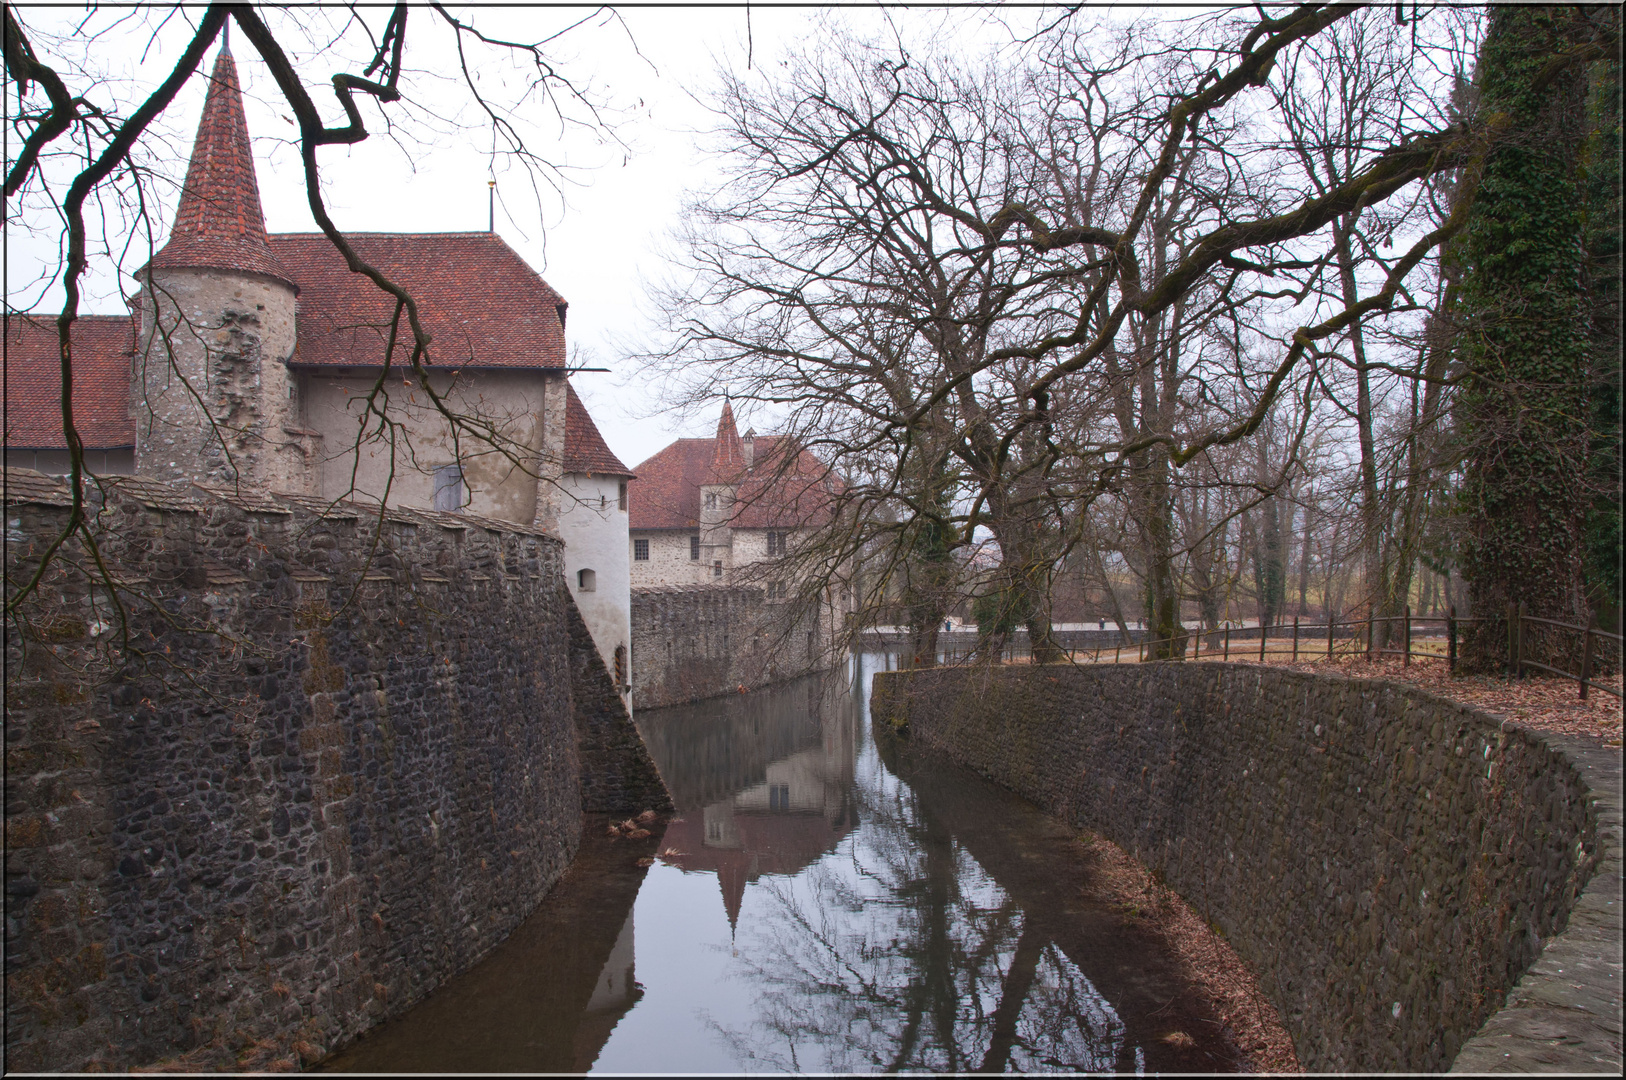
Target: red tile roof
<point>773,493</point>
<point>781,494</point>
<point>482,305</point>
<point>727,458</point>
<point>102,346</point>
<point>585,449</point>
<point>666,494</point>
<point>218,223</point>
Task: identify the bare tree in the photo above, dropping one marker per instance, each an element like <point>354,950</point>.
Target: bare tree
<point>1077,266</point>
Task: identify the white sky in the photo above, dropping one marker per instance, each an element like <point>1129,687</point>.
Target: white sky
<point>600,243</point>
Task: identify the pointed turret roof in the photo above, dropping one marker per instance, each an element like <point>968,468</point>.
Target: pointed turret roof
<point>219,224</point>
<point>585,448</point>
<point>727,458</point>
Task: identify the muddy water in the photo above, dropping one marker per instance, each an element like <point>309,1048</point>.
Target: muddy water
<point>821,902</point>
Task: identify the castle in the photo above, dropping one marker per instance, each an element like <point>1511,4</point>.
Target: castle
<point>254,360</point>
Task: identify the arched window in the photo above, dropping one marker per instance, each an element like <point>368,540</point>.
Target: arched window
<point>586,581</point>
<point>621,666</point>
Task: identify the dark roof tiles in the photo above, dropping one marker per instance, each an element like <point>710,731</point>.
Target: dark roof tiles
<point>480,303</point>
<point>219,223</point>
<point>102,346</point>
<point>775,492</point>
<point>585,448</point>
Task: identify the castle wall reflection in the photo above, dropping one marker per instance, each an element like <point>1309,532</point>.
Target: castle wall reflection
<point>819,902</point>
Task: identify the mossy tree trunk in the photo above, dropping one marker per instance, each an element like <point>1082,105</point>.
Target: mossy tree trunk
<point>1523,408</point>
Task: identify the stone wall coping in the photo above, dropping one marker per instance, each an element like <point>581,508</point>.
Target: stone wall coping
<point>1564,1013</point>
<point>30,486</point>
<point>719,590</point>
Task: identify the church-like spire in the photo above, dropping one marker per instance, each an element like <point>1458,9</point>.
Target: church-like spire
<point>219,224</point>
<point>727,459</point>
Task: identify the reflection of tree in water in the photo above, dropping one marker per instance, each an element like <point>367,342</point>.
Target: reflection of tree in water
<point>900,952</point>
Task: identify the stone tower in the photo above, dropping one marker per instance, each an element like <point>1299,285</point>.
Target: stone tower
<point>717,497</point>
<point>214,400</point>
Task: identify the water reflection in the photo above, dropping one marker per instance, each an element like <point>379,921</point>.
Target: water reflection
<point>820,903</point>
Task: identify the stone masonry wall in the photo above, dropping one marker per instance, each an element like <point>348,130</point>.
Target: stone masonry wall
<point>1388,862</point>
<point>697,641</point>
<point>618,775</point>
<point>336,764</point>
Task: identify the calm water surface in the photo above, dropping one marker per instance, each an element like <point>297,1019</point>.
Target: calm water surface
<point>820,902</point>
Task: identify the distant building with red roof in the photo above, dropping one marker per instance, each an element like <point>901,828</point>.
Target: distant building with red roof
<point>262,360</point>
<point>722,510</point>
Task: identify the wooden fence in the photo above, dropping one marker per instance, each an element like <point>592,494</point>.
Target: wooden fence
<point>1419,637</point>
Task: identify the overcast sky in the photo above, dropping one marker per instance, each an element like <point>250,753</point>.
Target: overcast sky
<point>599,241</point>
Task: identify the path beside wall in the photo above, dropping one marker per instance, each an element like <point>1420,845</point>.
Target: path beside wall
<point>1388,862</point>
<point>338,764</point>
<point>691,642</point>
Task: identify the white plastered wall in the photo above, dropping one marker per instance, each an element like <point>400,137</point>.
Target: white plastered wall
<point>497,484</point>
<point>594,529</point>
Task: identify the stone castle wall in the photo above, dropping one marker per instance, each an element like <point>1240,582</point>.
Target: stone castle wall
<point>1388,862</point>
<point>697,641</point>
<point>335,764</point>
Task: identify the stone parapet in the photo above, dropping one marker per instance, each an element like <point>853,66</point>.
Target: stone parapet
<point>295,766</point>
<point>691,642</point>
<point>1391,864</point>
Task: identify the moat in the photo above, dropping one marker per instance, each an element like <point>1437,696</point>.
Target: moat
<point>822,901</point>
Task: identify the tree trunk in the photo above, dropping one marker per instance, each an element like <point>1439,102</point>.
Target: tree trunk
<point>1522,409</point>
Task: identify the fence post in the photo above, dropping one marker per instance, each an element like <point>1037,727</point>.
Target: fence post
<point>1586,655</point>
<point>1518,623</point>
<point>1261,640</point>
<point>1407,661</point>
<point>1295,639</point>
<point>1451,638</point>
<point>1227,641</point>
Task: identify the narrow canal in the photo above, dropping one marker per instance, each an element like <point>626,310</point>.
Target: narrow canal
<point>822,901</point>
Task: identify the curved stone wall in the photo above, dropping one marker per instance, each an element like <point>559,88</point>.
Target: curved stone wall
<point>1390,863</point>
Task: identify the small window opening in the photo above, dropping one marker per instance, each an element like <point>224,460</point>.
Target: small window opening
<point>640,550</point>
<point>694,548</point>
<point>449,488</point>
<point>711,500</point>
<point>586,581</point>
<point>717,568</point>
<point>621,497</point>
<point>621,666</point>
<point>778,543</point>
<point>778,796</point>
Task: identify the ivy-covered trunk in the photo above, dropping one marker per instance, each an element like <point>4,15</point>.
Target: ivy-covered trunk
<point>1601,165</point>
<point>1523,407</point>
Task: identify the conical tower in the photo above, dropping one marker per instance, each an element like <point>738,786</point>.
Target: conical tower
<point>214,399</point>
<point>717,500</point>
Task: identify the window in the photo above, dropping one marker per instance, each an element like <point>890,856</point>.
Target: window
<point>449,488</point>
<point>776,590</point>
<point>778,796</point>
<point>586,581</point>
<point>711,500</point>
<point>694,547</point>
<point>717,568</point>
<point>621,503</point>
<point>778,543</point>
<point>621,666</point>
<point>640,550</point>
